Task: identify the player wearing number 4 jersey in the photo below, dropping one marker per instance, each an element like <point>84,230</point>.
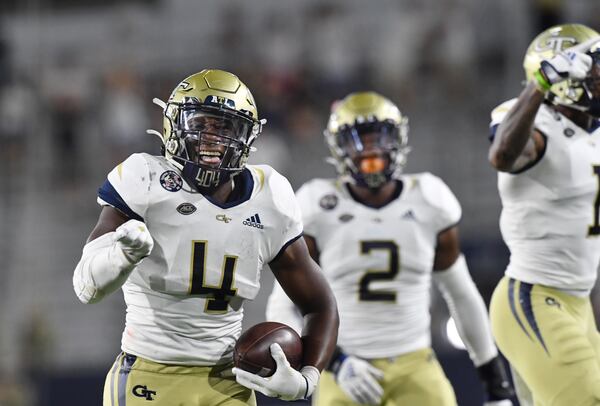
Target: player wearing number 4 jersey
<point>377,235</point>
<point>546,147</point>
<point>186,235</point>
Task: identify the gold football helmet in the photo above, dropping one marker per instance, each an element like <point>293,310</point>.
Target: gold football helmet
<point>352,120</point>
<point>210,122</point>
<point>551,41</point>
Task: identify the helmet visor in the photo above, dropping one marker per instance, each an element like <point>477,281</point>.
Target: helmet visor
<point>592,82</point>
<point>368,139</point>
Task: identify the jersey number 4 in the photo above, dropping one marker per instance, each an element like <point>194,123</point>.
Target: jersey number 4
<point>367,295</point>
<point>219,296</point>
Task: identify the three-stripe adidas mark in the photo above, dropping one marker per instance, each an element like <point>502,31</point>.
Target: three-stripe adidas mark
<point>253,221</point>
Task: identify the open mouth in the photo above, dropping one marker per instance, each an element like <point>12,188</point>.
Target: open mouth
<point>210,157</point>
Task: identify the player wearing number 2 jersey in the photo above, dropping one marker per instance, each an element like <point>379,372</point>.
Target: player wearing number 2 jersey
<point>546,147</point>
<point>186,235</point>
<point>377,235</point>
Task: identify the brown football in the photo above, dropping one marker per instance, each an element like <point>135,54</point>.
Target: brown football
<point>252,353</point>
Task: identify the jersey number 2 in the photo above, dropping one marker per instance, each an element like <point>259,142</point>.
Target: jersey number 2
<point>219,295</point>
<point>367,295</point>
<point>594,229</point>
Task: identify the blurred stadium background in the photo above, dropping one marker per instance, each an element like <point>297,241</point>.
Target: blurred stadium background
<point>76,83</point>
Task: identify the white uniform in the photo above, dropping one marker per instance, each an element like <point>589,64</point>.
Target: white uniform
<point>184,301</point>
<point>377,261</point>
<point>549,210</point>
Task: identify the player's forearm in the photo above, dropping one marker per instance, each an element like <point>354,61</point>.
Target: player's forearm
<point>320,333</point>
<point>468,311</point>
<point>102,269</point>
<point>516,129</point>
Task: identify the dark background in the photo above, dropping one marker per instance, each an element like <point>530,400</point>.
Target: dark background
<point>76,83</point>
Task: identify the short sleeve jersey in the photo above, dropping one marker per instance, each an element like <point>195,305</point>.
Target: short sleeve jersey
<point>379,261</point>
<point>184,301</point>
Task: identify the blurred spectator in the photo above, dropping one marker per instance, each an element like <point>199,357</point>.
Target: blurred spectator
<point>67,87</point>
<point>19,115</point>
<point>124,116</point>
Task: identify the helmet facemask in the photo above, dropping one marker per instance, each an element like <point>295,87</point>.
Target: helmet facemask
<point>370,153</point>
<point>211,142</point>
<point>590,100</point>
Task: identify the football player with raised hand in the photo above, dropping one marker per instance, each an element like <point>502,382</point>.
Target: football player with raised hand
<point>186,235</point>
<point>380,237</point>
<point>546,148</point>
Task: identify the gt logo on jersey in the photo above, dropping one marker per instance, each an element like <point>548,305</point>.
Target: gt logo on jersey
<point>223,218</point>
<point>142,391</point>
<point>220,100</point>
<point>555,44</point>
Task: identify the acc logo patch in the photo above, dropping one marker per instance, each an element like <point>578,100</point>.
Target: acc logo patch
<point>186,208</point>
<point>344,218</point>
<point>328,202</point>
<point>171,181</point>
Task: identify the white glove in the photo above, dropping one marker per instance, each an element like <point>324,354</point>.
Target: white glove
<point>134,239</point>
<point>358,379</point>
<point>566,65</point>
<point>504,402</point>
<point>286,383</point>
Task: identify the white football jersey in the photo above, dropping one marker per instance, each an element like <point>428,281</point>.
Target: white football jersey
<point>377,261</point>
<point>550,209</point>
<point>184,301</point>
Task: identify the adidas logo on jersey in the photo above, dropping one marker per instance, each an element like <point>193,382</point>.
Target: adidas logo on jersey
<point>253,221</point>
<point>409,215</point>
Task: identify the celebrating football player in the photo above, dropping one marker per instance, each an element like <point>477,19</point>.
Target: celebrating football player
<point>378,234</point>
<point>546,148</point>
<point>185,235</point>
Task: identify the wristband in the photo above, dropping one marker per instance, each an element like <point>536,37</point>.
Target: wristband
<point>541,83</point>
<point>336,360</point>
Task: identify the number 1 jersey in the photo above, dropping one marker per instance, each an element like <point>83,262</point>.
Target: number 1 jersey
<point>550,208</point>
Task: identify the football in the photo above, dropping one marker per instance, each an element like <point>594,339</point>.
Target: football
<point>251,352</point>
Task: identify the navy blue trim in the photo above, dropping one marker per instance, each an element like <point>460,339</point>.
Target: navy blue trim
<point>513,308</point>
<point>108,193</point>
<point>244,184</point>
<point>112,379</point>
<point>492,133</point>
<point>128,361</point>
<point>287,244</point>
<point>595,126</point>
<point>525,301</point>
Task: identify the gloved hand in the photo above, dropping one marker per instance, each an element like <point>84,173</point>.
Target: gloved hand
<point>286,383</point>
<point>496,383</point>
<point>564,65</point>
<point>358,379</point>
<point>134,239</point>
<point>504,402</point>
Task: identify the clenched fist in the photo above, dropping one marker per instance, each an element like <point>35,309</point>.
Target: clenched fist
<point>135,240</point>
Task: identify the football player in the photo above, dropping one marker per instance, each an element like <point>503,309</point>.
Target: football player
<point>185,235</point>
<point>546,148</point>
<point>380,237</point>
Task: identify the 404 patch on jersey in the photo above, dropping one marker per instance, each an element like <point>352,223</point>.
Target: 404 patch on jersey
<point>171,181</point>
